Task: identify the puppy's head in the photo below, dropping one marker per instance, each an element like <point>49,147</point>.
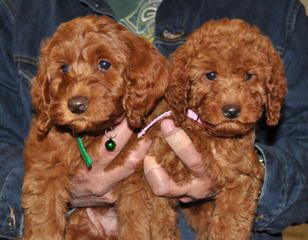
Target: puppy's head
<point>229,73</point>
<point>92,73</point>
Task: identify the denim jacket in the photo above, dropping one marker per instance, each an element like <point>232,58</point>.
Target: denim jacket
<point>24,24</point>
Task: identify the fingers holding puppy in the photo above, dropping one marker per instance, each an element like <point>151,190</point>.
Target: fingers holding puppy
<point>89,192</point>
<point>199,187</point>
<point>94,188</point>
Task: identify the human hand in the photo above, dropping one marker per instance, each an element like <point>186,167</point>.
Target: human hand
<point>162,185</point>
<point>94,188</point>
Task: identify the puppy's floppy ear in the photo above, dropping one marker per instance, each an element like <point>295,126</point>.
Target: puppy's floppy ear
<point>40,94</point>
<point>180,80</point>
<point>276,88</point>
<point>146,79</point>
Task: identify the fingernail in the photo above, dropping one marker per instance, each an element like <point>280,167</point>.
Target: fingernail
<point>168,127</point>
<point>144,145</point>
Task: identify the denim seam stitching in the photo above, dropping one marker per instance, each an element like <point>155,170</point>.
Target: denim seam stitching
<point>6,86</point>
<point>283,201</point>
<point>91,4</point>
<point>291,21</point>
<point>169,43</point>
<point>9,6</point>
<point>1,194</point>
<point>25,59</point>
<point>281,206</point>
<point>27,76</point>
<point>7,237</point>
<point>4,184</point>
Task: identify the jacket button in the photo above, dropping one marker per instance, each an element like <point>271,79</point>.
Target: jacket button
<point>259,218</point>
<point>171,36</point>
<point>11,220</point>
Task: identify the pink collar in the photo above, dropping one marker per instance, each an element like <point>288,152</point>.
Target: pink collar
<point>190,113</point>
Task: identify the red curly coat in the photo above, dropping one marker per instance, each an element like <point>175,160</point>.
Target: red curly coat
<point>229,74</point>
<point>223,63</point>
<point>114,74</point>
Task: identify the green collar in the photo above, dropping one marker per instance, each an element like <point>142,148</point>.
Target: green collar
<point>84,154</point>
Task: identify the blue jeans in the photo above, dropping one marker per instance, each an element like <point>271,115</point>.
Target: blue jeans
<point>25,23</point>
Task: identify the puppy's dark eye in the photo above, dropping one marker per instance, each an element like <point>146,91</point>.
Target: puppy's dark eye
<point>248,76</point>
<point>104,65</point>
<point>64,68</point>
<point>211,75</point>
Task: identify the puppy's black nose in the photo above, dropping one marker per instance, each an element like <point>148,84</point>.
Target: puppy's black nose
<point>231,110</point>
<point>78,104</point>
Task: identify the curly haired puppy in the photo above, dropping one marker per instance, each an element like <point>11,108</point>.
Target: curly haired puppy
<point>229,74</point>
<point>92,73</point>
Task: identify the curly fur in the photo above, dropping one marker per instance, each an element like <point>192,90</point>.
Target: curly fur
<point>135,81</point>
<point>248,74</point>
<point>231,48</point>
